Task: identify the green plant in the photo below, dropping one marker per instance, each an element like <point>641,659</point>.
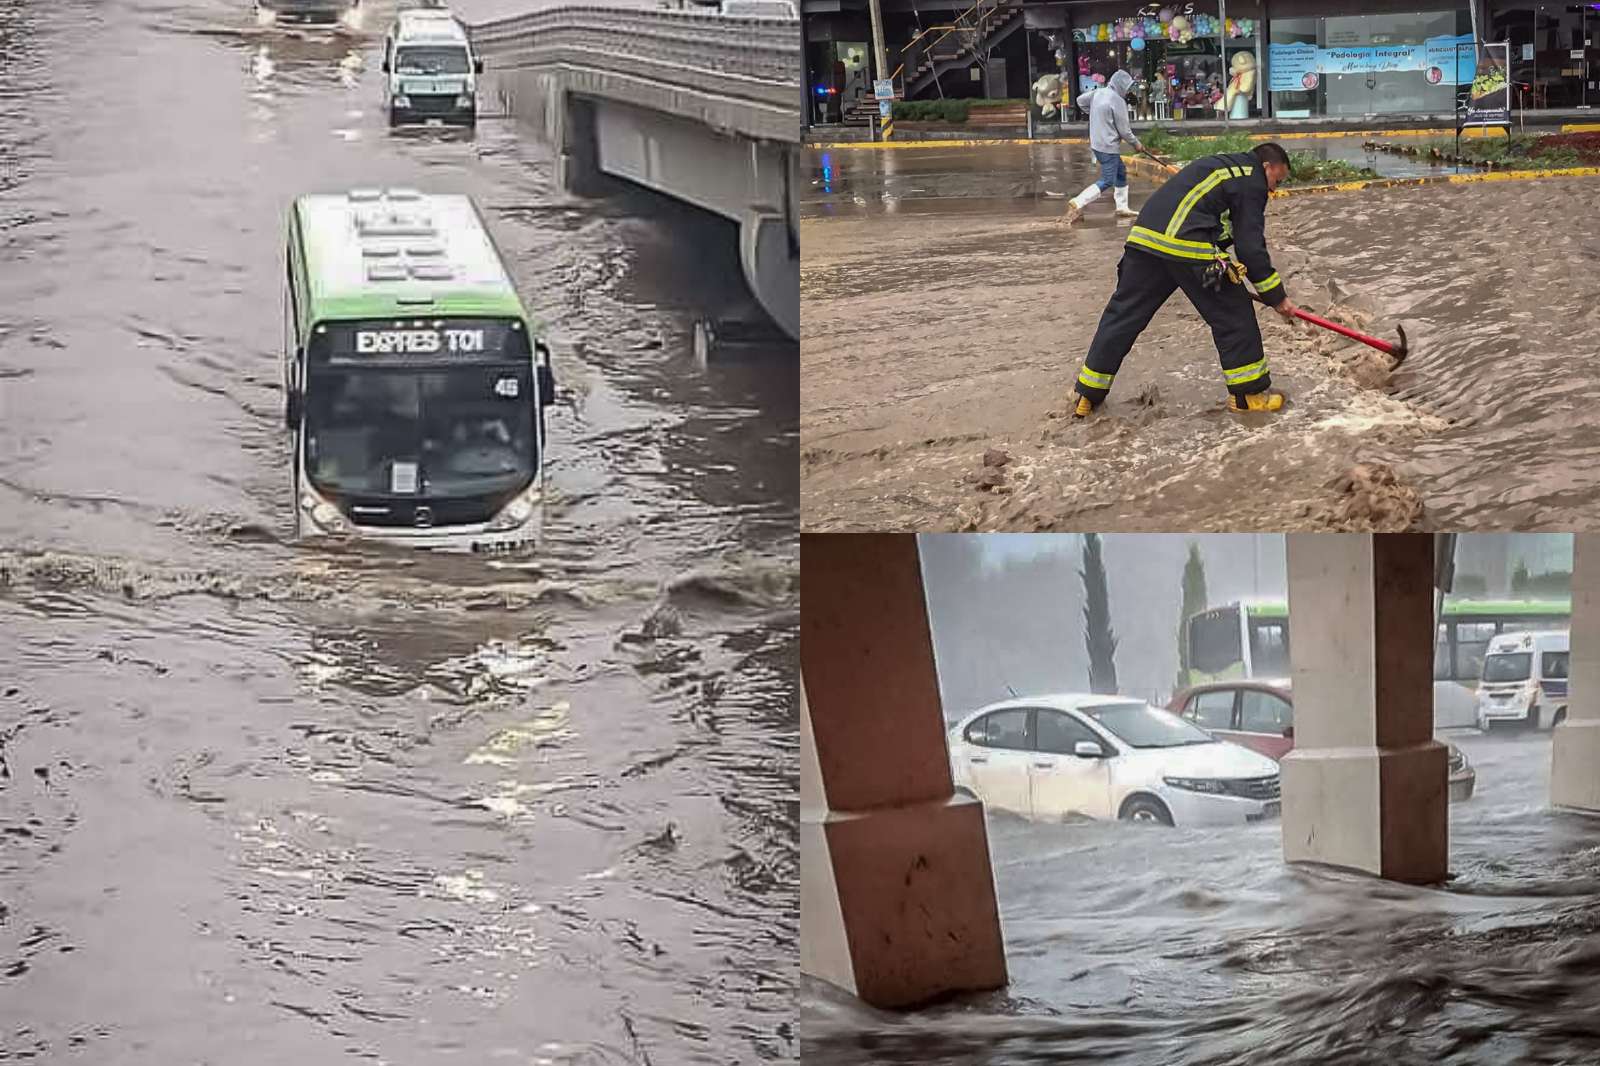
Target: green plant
<point>1193,602</point>
<point>1099,639</point>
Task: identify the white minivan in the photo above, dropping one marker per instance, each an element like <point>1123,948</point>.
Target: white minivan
<point>430,71</point>
<point>1524,680</point>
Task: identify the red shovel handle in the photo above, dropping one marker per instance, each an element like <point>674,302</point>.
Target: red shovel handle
<point>1317,320</point>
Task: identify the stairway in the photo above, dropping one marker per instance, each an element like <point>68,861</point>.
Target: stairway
<point>941,49</point>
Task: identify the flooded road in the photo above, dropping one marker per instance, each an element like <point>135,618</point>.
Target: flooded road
<point>949,322</point>
<point>1201,947</point>
<point>263,803</point>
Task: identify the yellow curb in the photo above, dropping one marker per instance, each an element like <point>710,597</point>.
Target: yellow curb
<point>1441,179</point>
<point>836,145</point>
<point>1581,127</point>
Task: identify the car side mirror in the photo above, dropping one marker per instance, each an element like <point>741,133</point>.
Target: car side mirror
<point>1088,749</point>
<point>1288,732</point>
<point>547,376</point>
<point>477,66</point>
<point>385,66</point>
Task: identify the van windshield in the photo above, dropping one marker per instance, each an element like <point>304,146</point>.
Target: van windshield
<point>1512,667</point>
<point>431,59</point>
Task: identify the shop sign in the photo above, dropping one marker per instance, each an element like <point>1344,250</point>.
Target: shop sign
<point>1442,60</point>
<point>1489,103</point>
<point>883,89</point>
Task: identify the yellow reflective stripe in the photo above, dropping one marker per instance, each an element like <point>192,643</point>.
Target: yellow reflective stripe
<point>1147,238</point>
<point>1268,283</point>
<point>1094,379</point>
<point>1211,181</point>
<point>1245,374</point>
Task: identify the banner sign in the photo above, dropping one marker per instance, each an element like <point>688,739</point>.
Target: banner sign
<point>1301,67</point>
<point>1489,101</point>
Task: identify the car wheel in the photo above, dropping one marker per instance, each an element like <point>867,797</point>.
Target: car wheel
<point>1561,716</point>
<point>1146,809</point>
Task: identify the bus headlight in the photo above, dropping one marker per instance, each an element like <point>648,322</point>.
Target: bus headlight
<point>515,514</point>
<point>324,515</point>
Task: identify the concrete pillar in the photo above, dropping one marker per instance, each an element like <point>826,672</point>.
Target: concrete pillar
<point>1366,786</point>
<point>1575,744</point>
<point>897,901</point>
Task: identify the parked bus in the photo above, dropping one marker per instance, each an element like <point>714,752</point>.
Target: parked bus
<point>415,381</point>
<point>1252,640</point>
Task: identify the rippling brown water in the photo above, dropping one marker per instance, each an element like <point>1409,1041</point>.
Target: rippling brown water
<point>1202,947</point>
<point>261,803</point>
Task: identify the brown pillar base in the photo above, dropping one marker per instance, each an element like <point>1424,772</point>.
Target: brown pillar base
<point>1383,811</point>
<point>897,904</point>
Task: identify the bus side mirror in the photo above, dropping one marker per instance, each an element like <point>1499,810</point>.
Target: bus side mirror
<point>292,409</point>
<point>547,376</point>
<point>477,66</point>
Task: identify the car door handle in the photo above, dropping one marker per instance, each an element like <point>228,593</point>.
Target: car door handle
<point>1045,765</point>
<point>977,758</point>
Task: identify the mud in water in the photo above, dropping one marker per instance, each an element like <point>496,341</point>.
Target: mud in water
<point>931,336</point>
<point>262,803</point>
<point>1201,948</point>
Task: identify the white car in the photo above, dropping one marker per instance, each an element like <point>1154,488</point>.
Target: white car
<point>1054,757</point>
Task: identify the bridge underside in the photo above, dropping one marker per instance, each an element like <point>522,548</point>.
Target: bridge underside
<point>690,145</point>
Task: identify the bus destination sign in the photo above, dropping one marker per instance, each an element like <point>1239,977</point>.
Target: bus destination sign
<point>442,339</point>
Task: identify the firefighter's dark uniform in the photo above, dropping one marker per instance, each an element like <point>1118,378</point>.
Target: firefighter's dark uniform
<point>1214,202</point>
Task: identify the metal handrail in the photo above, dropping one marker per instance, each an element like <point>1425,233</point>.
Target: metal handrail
<point>957,24</point>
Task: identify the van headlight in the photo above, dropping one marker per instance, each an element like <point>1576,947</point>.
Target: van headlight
<point>464,100</point>
<point>516,513</point>
<point>400,100</point>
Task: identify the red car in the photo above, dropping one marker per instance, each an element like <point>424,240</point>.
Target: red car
<point>1259,714</point>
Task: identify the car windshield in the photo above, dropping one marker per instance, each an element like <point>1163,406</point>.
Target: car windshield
<point>1140,725</point>
<point>431,59</point>
<point>420,433</point>
<point>1512,667</point>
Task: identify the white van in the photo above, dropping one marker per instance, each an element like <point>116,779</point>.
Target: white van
<point>430,70</point>
<point>1524,680</point>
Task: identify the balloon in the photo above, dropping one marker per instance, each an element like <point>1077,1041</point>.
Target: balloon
<point>1138,44</point>
<point>1099,79</point>
<point>1165,14</point>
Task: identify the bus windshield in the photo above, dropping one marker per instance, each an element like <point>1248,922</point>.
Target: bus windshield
<point>1214,641</point>
<point>431,59</point>
<point>395,431</point>
<point>1514,666</point>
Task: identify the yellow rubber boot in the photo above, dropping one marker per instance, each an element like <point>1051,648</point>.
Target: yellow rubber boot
<point>1083,408</point>
<point>1257,401</point>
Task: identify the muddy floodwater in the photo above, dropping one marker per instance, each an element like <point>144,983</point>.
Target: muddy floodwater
<point>1201,948</point>
<point>946,314</point>
<point>262,803</point>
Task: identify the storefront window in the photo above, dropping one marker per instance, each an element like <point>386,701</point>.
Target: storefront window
<point>1176,56</point>
<point>1369,64</point>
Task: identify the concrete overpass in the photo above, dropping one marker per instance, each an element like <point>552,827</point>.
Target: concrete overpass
<point>693,105</point>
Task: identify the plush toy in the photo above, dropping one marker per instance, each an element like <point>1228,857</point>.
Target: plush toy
<point>1047,93</point>
<point>1240,87</point>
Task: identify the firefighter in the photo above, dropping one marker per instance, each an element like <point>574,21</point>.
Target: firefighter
<point>1179,242</point>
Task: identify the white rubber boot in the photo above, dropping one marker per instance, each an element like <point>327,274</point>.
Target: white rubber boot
<point>1076,205</point>
<point>1123,210</point>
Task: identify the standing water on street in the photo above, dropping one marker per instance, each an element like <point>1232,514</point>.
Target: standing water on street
<point>264,802</point>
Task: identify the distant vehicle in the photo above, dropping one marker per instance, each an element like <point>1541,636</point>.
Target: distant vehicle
<point>415,383</point>
<point>329,11</point>
<point>759,9</point>
<point>1055,757</point>
<point>1251,639</point>
<point>1525,680</point>
<point>1259,715</point>
<point>430,70</point>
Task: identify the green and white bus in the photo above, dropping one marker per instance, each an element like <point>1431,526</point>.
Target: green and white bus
<point>415,382</point>
<point>1252,640</point>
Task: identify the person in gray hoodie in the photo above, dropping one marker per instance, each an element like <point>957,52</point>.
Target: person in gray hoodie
<point>1108,128</point>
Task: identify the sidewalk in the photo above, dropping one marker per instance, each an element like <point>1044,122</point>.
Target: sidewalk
<point>1551,120</point>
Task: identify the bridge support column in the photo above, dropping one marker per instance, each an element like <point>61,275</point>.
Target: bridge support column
<point>897,900</point>
<point>1575,745</point>
<point>1366,786</point>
